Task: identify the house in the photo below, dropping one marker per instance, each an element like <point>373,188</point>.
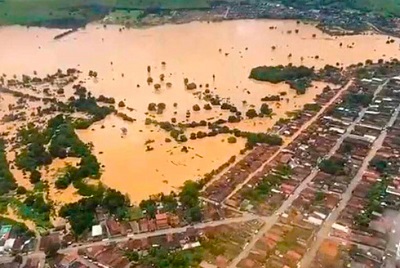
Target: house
<point>49,241</point>
<point>5,231</point>
<point>162,221</point>
<point>32,263</point>
<point>114,228</point>
<point>8,244</point>
<point>293,256</point>
<point>152,225</point>
<point>125,228</point>
<point>65,261</point>
<point>135,227</point>
<point>97,231</point>
<point>173,220</point>
<point>144,225</point>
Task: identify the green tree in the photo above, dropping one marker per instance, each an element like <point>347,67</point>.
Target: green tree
<point>251,113</point>
<point>35,176</point>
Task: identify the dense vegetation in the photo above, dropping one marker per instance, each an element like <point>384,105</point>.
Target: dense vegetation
<point>272,181</point>
<point>81,214</point>
<point>358,99</point>
<point>61,140</point>
<point>64,141</point>
<point>7,180</point>
<point>375,196</point>
<point>255,138</point>
<point>34,154</point>
<point>298,78</point>
<point>37,207</point>
<point>18,227</point>
<point>332,166</point>
<point>162,258</point>
<point>86,103</point>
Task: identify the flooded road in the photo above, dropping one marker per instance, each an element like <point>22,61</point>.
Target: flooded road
<point>216,56</point>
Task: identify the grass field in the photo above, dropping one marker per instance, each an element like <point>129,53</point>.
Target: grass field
<point>79,12</point>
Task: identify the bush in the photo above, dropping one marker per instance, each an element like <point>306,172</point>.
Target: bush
<point>255,138</point>
<point>280,73</point>
<point>196,108</point>
<point>265,110</point>
<point>191,86</point>
<point>7,181</point>
<point>233,119</point>
<point>207,107</point>
<point>21,190</point>
<point>314,107</point>
<point>251,113</point>
<point>152,107</point>
<point>232,140</point>
<point>183,138</point>
<point>332,166</point>
<point>35,176</point>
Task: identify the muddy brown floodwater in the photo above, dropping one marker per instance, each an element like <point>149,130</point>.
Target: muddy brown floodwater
<point>196,51</point>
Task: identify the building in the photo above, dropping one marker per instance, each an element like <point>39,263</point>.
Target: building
<point>97,231</point>
<point>162,221</point>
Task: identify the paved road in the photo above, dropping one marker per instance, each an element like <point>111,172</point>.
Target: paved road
<point>288,202</point>
<point>292,138</point>
<point>325,229</point>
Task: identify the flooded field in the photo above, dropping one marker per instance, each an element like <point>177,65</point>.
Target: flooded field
<point>216,56</point>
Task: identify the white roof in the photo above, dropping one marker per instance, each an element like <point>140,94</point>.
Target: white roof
<point>338,130</point>
<point>372,112</point>
<point>191,245</point>
<point>340,227</point>
<point>314,220</point>
<point>9,243</point>
<point>97,230</point>
<point>319,214</point>
<point>370,137</point>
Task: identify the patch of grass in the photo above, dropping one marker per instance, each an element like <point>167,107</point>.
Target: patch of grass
<point>124,16</point>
